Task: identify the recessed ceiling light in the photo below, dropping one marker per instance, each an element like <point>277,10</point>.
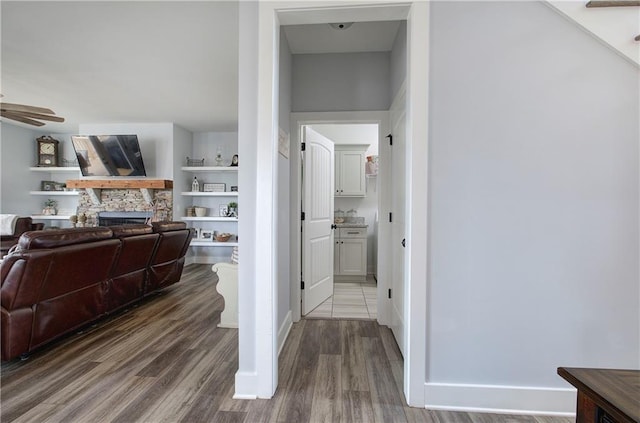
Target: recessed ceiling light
<point>341,25</point>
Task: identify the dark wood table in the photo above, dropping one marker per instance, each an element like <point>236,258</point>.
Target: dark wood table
<point>605,395</point>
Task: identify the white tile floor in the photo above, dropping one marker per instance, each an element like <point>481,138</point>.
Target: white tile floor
<point>350,300</point>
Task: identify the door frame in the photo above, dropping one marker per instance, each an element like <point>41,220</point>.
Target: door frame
<point>298,120</point>
<point>258,117</point>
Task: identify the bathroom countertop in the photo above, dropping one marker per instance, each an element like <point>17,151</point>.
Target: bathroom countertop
<point>352,222</point>
<point>351,225</point>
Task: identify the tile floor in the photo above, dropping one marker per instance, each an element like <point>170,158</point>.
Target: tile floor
<point>350,300</point>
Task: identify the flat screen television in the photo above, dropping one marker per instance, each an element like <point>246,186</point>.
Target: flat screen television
<point>109,155</point>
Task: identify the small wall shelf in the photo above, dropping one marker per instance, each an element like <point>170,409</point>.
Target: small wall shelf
<point>51,169</point>
<point>54,193</point>
<point>209,219</point>
<point>50,217</point>
<point>210,169</point>
<point>209,194</point>
<point>201,243</point>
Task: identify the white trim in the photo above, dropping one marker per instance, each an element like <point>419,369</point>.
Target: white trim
<point>283,332</point>
<point>381,118</point>
<point>500,399</point>
<point>416,287</point>
<point>266,305</point>
<point>245,382</point>
<point>266,106</point>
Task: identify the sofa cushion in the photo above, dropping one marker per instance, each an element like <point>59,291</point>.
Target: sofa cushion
<point>122,231</point>
<point>168,226</point>
<point>60,237</point>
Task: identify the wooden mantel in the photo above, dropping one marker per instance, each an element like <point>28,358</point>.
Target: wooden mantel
<point>120,183</point>
<point>146,186</point>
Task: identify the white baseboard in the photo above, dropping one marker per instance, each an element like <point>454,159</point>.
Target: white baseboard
<point>500,399</point>
<point>246,385</point>
<point>284,330</point>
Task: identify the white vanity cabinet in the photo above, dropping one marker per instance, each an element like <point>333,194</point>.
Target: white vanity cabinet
<point>350,253</point>
<point>350,163</point>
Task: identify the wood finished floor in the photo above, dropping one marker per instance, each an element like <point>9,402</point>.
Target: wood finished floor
<point>166,361</point>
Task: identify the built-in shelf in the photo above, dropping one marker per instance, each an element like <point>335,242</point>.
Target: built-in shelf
<point>205,243</point>
<point>50,216</point>
<point>51,169</point>
<point>54,193</point>
<point>210,168</point>
<point>209,194</point>
<point>209,219</point>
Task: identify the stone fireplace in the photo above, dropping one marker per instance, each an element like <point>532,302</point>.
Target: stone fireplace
<point>127,201</point>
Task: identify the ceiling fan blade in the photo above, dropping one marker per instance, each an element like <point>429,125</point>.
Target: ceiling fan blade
<point>24,108</point>
<point>39,116</point>
<point>19,118</point>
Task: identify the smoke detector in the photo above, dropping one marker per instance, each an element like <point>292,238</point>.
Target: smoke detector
<point>341,25</point>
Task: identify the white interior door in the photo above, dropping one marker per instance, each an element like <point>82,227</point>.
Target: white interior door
<point>398,207</point>
<point>317,234</point>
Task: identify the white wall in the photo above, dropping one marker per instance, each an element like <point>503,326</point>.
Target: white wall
<point>345,81</point>
<point>534,194</point>
<point>156,143</point>
<point>399,60</point>
<point>18,153</point>
<point>284,196</point>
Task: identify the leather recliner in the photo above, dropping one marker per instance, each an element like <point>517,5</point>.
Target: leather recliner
<point>60,280</point>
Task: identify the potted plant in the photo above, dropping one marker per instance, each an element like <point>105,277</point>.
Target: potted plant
<point>233,209</point>
<point>50,207</point>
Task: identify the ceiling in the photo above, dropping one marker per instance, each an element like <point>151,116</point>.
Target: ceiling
<point>121,62</point>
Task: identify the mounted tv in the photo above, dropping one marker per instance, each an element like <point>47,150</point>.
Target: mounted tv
<point>109,155</point>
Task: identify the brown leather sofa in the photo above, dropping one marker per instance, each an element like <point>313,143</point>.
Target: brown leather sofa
<point>58,281</point>
<point>23,224</point>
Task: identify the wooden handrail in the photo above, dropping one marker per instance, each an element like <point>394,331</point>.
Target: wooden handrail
<point>612,3</point>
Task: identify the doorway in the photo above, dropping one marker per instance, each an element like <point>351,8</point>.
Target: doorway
<point>258,364</point>
<point>355,217</point>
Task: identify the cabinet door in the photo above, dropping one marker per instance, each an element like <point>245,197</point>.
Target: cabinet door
<point>353,257</point>
<point>351,173</point>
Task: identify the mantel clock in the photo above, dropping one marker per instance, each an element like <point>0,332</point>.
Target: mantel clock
<point>47,151</point>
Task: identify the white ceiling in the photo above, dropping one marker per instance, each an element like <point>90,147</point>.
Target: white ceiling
<point>121,62</point>
<point>361,36</point>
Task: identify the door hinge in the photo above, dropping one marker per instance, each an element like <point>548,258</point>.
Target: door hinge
<point>390,217</point>
<point>302,216</point>
<point>303,146</point>
<point>390,139</point>
<point>301,284</point>
<point>389,292</point>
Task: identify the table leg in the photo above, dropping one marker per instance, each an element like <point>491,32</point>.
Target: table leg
<point>587,410</point>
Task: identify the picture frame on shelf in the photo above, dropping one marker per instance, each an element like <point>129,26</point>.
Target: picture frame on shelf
<point>206,235</point>
<point>223,210</point>
<point>48,185</point>
<point>214,187</point>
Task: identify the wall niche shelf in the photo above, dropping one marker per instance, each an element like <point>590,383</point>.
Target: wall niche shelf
<point>201,243</point>
<point>209,194</point>
<point>209,219</point>
<point>52,169</point>
<point>54,193</point>
<point>209,169</point>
